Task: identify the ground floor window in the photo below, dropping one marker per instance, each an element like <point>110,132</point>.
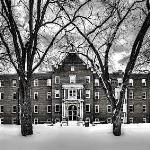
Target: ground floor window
<point>57,108</point>
<point>144,120</point>
<point>57,120</point>
<point>96,119</point>
<point>1,120</point>
<point>87,119</point>
<point>87,107</point>
<point>14,121</point>
<point>108,120</point>
<point>131,120</point>
<point>35,120</point>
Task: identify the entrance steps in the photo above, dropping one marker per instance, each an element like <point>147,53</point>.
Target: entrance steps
<point>72,123</point>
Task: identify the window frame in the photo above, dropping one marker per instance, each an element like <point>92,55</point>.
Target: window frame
<point>36,82</point>
<point>57,93</point>
<point>56,111</point>
<point>87,92</point>
<point>36,109</point>
<point>14,109</point>
<point>144,109</point>
<point>14,83</point>
<point>1,95</point>
<point>72,68</point>
<point>96,109</point>
<point>96,82</point>
<point>49,106</point>
<point>87,106</point>
<point>109,109</point>
<point>36,94</point>
<point>57,79</point>
<point>131,108</point>
<point>1,108</point>
<point>96,94</point>
<point>144,95</point>
<point>49,82</point>
<point>87,79</point>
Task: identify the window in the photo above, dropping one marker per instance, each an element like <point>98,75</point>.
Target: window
<point>72,68</point>
<point>1,120</point>
<point>119,81</point>
<point>87,119</point>
<point>131,94</point>
<point>14,121</point>
<point>87,79</point>
<point>144,108</point>
<point>1,96</point>
<point>1,83</point>
<point>87,93</point>
<point>57,79</point>
<point>144,120</point>
<point>35,95</point>
<point>72,78</point>
<point>87,107</point>
<point>96,108</point>
<point>72,93</point>
<point>96,82</point>
<point>48,95</point>
<point>57,94</point>
<point>122,108</point>
<point>35,108</point>
<point>130,82</point>
<point>57,108</point>
<point>96,95</point>
<point>1,108</point>
<point>97,119</point>
<point>36,121</point>
<point>108,120</point>
<point>143,95</point>
<point>49,109</point>
<point>130,120</point>
<point>143,82</point>
<point>14,109</point>
<point>131,108</point>
<point>14,95</point>
<point>36,82</point>
<point>109,108</point>
<point>14,83</point>
<point>49,82</point>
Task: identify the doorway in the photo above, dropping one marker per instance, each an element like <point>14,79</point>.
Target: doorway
<point>72,112</point>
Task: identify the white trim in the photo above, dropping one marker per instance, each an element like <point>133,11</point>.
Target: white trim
<point>70,86</point>
<point>144,108</point>
<point>72,68</point>
<point>14,83</point>
<point>144,82</point>
<point>87,78</point>
<point>36,120</point>
<point>1,83</point>
<point>131,82</point>
<point>87,92</point>
<point>57,78</point>
<point>1,95</point>
<point>109,108</point>
<point>1,108</point>
<point>1,120</point>
<point>49,94</point>
<point>144,95</point>
<point>49,82</point>
<point>57,92</point>
<point>96,82</point>
<point>15,95</point>
<point>36,93</point>
<point>72,78</point>
<point>131,106</point>
<point>13,109</point>
<point>97,95</point>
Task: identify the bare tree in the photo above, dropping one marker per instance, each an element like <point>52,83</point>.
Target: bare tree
<point>25,25</point>
<point>105,34</point>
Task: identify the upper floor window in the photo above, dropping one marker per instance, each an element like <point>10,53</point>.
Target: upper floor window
<point>14,83</point>
<point>72,68</point>
<point>131,108</point>
<point>119,81</point>
<point>72,78</point>
<point>1,83</point>
<point>57,79</point>
<point>35,108</point>
<point>1,96</point>
<point>96,108</point>
<point>1,108</point>
<point>96,82</point>
<point>36,82</point>
<point>57,94</point>
<point>143,95</point>
<point>87,107</point>
<point>144,82</point>
<point>109,108</point>
<point>72,93</point>
<point>131,120</point>
<point>87,79</point>
<point>96,95</point>
<point>49,82</point>
<point>14,109</point>
<point>131,94</point>
<point>14,95</point>
<point>48,95</point>
<point>35,95</point>
<point>144,108</point>
<point>87,93</point>
<point>131,82</point>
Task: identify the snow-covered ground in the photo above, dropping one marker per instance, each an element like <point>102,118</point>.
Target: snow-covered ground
<point>99,137</point>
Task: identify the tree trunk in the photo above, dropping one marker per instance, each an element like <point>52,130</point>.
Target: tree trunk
<point>116,120</point>
<point>26,111</point>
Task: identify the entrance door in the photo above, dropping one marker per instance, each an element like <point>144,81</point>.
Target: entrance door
<point>72,111</point>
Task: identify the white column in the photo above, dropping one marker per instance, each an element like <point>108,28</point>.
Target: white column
<point>64,93</point>
<point>80,93</point>
<point>80,110</point>
<point>64,110</point>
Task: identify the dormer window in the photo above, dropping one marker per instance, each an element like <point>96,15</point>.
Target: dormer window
<point>72,68</point>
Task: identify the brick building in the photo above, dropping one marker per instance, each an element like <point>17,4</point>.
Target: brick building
<point>73,90</point>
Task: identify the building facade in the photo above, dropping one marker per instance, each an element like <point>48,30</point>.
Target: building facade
<point>74,92</point>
